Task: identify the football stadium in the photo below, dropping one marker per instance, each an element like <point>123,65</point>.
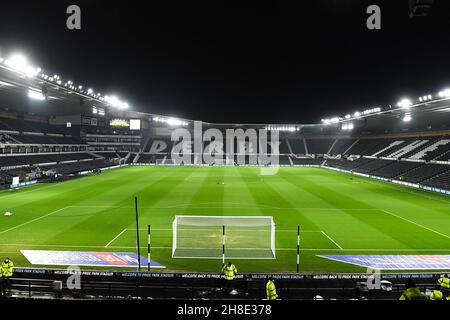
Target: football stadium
<point>100,200</point>
<point>95,185</point>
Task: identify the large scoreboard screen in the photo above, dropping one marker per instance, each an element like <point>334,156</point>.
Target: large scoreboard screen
<point>132,124</point>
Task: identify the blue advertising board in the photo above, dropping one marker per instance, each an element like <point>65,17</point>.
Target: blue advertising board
<point>86,258</point>
<point>395,262</point>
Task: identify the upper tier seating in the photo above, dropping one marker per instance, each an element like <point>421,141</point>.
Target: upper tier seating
<point>319,146</point>
<point>341,146</point>
<point>297,146</point>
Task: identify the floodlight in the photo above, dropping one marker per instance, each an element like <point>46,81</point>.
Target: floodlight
<point>36,95</point>
<point>444,93</point>
<point>404,103</point>
<point>19,63</point>
<point>357,114</point>
<point>174,122</point>
<point>407,117</point>
<point>115,102</point>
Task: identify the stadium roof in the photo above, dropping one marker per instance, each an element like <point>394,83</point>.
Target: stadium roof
<point>430,112</point>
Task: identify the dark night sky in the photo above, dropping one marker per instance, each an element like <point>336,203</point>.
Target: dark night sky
<point>225,61</point>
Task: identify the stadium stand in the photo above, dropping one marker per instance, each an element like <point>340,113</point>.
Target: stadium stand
<point>395,169</point>
<point>297,146</point>
<point>341,146</point>
<point>319,146</point>
<point>425,172</point>
<point>369,147</point>
<point>284,160</point>
<point>440,181</point>
<point>306,161</point>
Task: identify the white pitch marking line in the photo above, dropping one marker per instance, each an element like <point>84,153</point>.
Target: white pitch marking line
<point>337,245</point>
<point>220,229</point>
<point>417,224</point>
<point>115,238</point>
<point>31,221</point>
<point>283,249</point>
<point>233,207</point>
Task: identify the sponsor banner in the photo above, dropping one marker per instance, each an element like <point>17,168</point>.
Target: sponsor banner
<point>23,184</point>
<point>395,262</point>
<point>85,258</point>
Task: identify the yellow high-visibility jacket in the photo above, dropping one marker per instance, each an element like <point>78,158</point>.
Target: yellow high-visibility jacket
<point>229,271</point>
<point>413,294</point>
<point>7,268</point>
<point>271,290</point>
<point>436,295</point>
<point>444,282</point>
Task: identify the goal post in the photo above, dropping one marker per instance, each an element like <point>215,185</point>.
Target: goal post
<point>201,237</point>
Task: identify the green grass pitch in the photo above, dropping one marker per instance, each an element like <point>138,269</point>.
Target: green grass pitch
<point>337,214</point>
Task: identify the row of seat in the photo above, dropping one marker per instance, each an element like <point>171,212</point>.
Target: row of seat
<point>430,174</point>
<point>10,161</point>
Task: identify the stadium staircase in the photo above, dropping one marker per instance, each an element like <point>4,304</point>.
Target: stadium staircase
<point>350,148</point>
<point>305,146</point>
<point>127,157</point>
<point>289,146</point>
<point>332,146</point>
<point>136,158</point>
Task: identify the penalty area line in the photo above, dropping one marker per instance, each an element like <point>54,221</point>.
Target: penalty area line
<point>116,237</point>
<point>417,224</point>
<point>337,245</point>
<point>33,220</point>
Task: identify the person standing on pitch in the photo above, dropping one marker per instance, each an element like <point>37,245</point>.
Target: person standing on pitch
<point>229,271</point>
<point>271,290</point>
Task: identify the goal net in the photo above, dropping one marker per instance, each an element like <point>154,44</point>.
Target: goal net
<point>212,237</point>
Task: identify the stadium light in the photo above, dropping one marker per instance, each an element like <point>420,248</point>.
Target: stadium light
<point>347,126</point>
<point>19,63</point>
<point>444,93</point>
<point>404,103</point>
<point>407,117</point>
<point>116,102</point>
<point>171,121</point>
<point>35,95</point>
